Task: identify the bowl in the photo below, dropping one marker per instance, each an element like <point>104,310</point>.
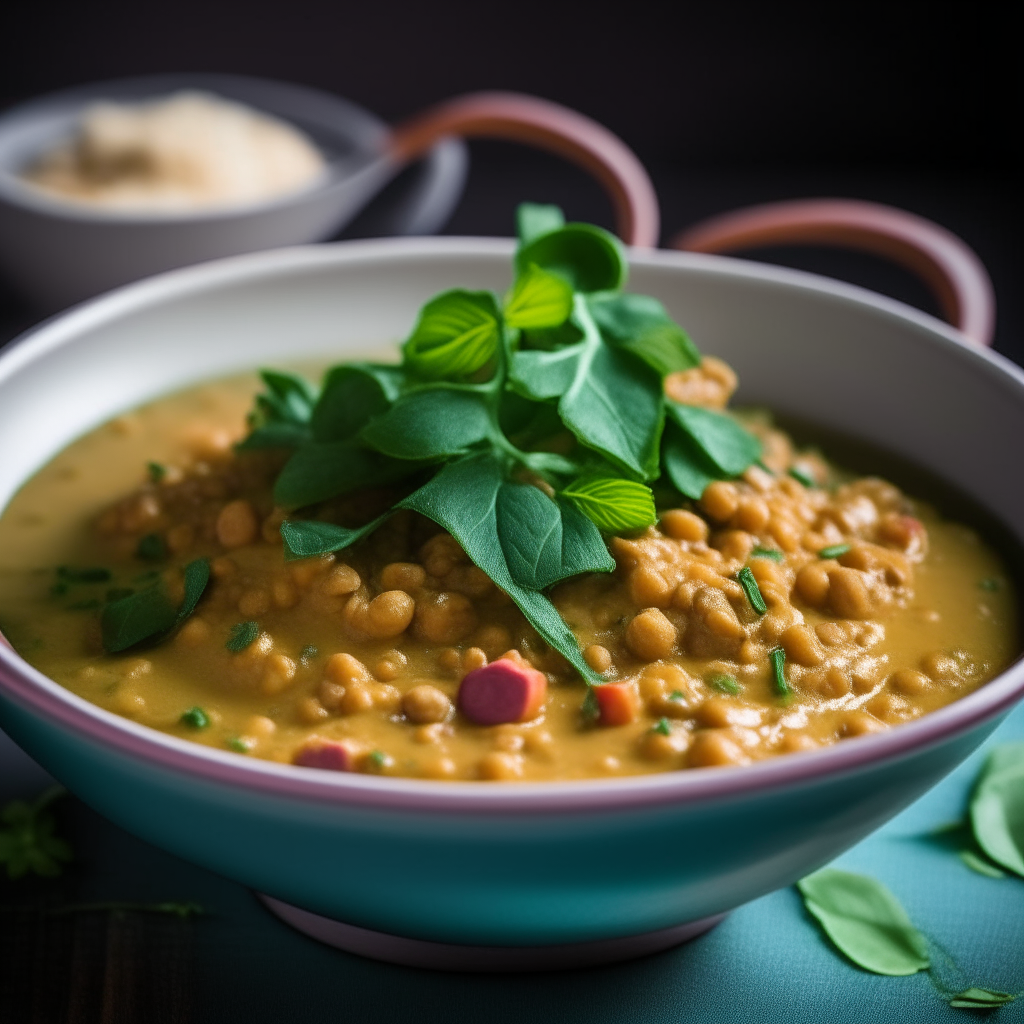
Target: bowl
<point>57,253</point>
<point>506,876</point>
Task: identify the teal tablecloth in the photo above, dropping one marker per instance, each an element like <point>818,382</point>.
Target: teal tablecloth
<point>766,962</point>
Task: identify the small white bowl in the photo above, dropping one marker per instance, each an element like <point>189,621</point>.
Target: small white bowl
<point>57,253</point>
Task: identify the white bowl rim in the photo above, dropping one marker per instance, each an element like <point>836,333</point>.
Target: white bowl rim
<point>34,692</point>
<point>17,192</point>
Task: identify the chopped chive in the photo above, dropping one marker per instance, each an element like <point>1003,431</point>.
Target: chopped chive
<point>834,551</point>
<point>803,476</point>
<point>69,574</point>
<point>377,760</point>
<point>116,593</point>
<point>990,584</point>
<point>309,652</point>
<point>239,744</point>
<point>242,635</point>
<point>195,717</point>
<point>676,695</point>
<point>151,548</point>
<point>769,553</point>
<point>778,659</point>
<point>84,606</point>
<point>724,684</point>
<point>751,589</point>
<point>663,727</point>
<point>156,471</point>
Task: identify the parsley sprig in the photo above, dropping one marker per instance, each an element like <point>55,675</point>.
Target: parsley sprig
<point>558,383</point>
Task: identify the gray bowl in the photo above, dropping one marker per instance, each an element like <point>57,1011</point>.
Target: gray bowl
<point>58,253</point>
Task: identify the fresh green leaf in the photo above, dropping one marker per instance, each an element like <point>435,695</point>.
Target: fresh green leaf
<point>305,538</point>
<point>686,465</point>
<point>321,470</point>
<point>588,257</point>
<point>730,447</point>
<point>242,635</point>
<point>865,922</point>
<point>543,541</point>
<point>746,580</point>
<point>613,504</point>
<point>144,615</point>
<point>290,395</point>
<point>772,554</point>
<point>981,865</point>
<point>195,718</point>
<point>834,551</point>
<point>457,333</point>
<point>151,548</point>
<point>639,324</point>
<point>539,300</point>
<point>430,424</point>
<point>777,656</point>
<point>997,807</point>
<point>351,395</point>
<point>275,435</point>
<point>608,399</point>
<point>535,219</point>
<point>282,413</point>
<point>981,999</point>
<point>197,575</point>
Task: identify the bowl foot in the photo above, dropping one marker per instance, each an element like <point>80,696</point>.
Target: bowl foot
<point>443,956</point>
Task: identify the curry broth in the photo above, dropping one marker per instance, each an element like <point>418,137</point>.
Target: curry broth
<point>904,622</point>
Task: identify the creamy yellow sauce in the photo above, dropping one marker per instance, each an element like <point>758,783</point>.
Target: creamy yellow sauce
<point>916,614</point>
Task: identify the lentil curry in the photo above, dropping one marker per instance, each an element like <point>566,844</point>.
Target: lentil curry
<point>782,606</point>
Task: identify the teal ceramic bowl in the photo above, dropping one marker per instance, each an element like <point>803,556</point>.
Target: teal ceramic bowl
<point>491,876</point>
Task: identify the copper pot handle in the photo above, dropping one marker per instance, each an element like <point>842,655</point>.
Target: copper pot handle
<point>946,263</point>
<point>521,118</point>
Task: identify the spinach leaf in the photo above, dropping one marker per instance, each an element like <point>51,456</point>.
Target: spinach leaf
<point>318,471</point>
<point>997,807</point>
<point>685,462</point>
<point>726,444</point>
<point>608,399</point>
<point>538,300</point>
<point>281,416</point>
<point>639,324</point>
<point>535,219</point>
<point>588,257</point>
<point>865,921</point>
<point>612,503</point>
<point>457,333</point>
<point>432,423</point>
<point>352,394</point>
<point>307,538</point>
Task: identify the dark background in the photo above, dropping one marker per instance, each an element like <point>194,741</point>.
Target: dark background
<point>727,105</point>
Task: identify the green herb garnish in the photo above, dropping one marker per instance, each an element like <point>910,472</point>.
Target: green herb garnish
<point>591,709</point>
<point>777,657</point>
<point>308,653</point>
<point>990,584</point>
<point>155,472</point>
<point>725,684</point>
<point>677,695</point>
<point>242,634</point>
<point>770,553</point>
<point>239,744</point>
<point>559,383</point>
<point>149,614</point>
<point>663,727</point>
<point>834,551</point>
<point>802,476</point>
<point>746,580</point>
<point>997,808</point>
<point>195,718</point>
<point>151,548</point>
<point>27,839</point>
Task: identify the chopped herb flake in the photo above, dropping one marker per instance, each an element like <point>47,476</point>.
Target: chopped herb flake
<point>751,589</point>
<point>155,471</point>
<point>242,635</point>
<point>591,709</point>
<point>770,553</point>
<point>196,718</point>
<point>802,476</point>
<point>151,548</point>
<point>676,695</point>
<point>724,684</point>
<point>663,727</point>
<point>834,551</point>
<point>309,652</point>
<point>778,660</point>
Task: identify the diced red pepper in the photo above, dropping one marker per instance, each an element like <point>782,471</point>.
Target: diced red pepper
<point>619,703</point>
<point>333,756</point>
<point>503,691</point>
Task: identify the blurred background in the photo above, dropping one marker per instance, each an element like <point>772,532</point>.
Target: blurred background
<point>726,104</point>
